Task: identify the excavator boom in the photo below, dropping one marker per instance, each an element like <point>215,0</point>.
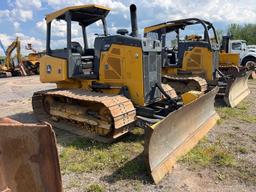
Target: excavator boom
<point>8,68</point>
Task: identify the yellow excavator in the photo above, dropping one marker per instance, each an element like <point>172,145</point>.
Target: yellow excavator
<point>104,92</point>
<point>12,67</point>
<point>197,59</point>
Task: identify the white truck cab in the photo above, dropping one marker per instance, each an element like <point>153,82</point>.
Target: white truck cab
<point>251,48</point>
<point>247,56</point>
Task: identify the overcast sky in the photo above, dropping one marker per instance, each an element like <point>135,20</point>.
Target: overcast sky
<point>25,18</point>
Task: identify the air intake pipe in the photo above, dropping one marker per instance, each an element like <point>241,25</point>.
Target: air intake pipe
<point>225,43</point>
<point>134,22</point>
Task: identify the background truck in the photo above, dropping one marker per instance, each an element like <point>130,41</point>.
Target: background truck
<point>247,57</point>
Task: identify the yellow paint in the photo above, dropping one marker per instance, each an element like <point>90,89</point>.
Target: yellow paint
<point>8,66</point>
<point>58,69</point>
<point>122,65</point>
<point>229,59</point>
<point>169,71</point>
<point>158,27</point>
<point>70,84</point>
<point>58,13</point>
<point>119,66</point>
<point>198,61</point>
<point>190,96</point>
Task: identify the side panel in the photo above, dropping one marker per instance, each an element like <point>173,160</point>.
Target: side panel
<point>199,61</point>
<point>228,59</point>
<point>122,65</point>
<point>152,72</point>
<point>53,69</point>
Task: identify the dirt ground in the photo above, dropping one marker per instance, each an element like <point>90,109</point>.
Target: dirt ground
<point>225,160</point>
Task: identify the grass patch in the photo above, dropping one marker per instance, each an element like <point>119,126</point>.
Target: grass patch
<point>84,155</point>
<point>94,188</point>
<point>246,172</point>
<point>240,112</point>
<point>73,183</point>
<point>132,169</point>
<point>206,154</point>
<point>242,150</point>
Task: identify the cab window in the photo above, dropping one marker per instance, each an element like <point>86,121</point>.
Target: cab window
<point>236,46</point>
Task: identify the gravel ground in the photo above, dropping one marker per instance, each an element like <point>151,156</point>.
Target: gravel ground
<point>233,140</point>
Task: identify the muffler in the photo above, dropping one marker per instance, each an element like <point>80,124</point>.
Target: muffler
<point>134,22</point>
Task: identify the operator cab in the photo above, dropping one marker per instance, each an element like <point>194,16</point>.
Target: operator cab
<point>177,37</point>
<point>83,61</point>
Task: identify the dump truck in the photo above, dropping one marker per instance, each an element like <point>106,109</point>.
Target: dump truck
<point>104,92</point>
<point>196,59</point>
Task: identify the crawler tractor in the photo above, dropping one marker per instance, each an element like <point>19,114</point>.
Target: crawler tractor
<point>197,60</point>
<point>102,93</point>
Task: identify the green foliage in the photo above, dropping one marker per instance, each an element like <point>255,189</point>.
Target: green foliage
<point>241,113</point>
<point>95,188</point>
<point>219,33</point>
<point>85,155</point>
<point>245,32</point>
<point>2,58</point>
<point>206,153</point>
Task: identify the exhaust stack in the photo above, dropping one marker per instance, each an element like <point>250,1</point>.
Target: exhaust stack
<point>225,43</point>
<point>134,22</point>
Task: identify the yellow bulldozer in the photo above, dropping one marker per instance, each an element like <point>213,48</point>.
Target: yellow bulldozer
<point>12,67</point>
<point>105,91</point>
<point>197,60</point>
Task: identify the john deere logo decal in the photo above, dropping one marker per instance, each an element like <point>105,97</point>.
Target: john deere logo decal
<point>48,68</point>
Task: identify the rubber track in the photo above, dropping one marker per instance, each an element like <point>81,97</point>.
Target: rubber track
<point>121,108</point>
<point>200,81</point>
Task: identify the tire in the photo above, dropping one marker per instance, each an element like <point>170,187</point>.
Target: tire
<point>37,68</point>
<point>250,62</point>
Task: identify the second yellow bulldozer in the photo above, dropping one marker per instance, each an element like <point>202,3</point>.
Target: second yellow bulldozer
<point>197,59</point>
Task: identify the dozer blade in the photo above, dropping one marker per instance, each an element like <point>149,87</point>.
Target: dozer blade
<point>28,158</point>
<point>237,89</point>
<point>179,132</point>
<point>253,75</point>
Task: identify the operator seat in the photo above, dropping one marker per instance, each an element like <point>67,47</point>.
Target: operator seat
<point>76,47</point>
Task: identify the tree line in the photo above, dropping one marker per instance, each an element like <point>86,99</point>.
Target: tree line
<point>245,32</point>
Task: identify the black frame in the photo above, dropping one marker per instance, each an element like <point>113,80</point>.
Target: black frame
<point>180,24</point>
<point>68,19</point>
<point>175,26</point>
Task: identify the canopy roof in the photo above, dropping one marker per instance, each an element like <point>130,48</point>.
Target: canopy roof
<point>176,24</point>
<point>86,14</point>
